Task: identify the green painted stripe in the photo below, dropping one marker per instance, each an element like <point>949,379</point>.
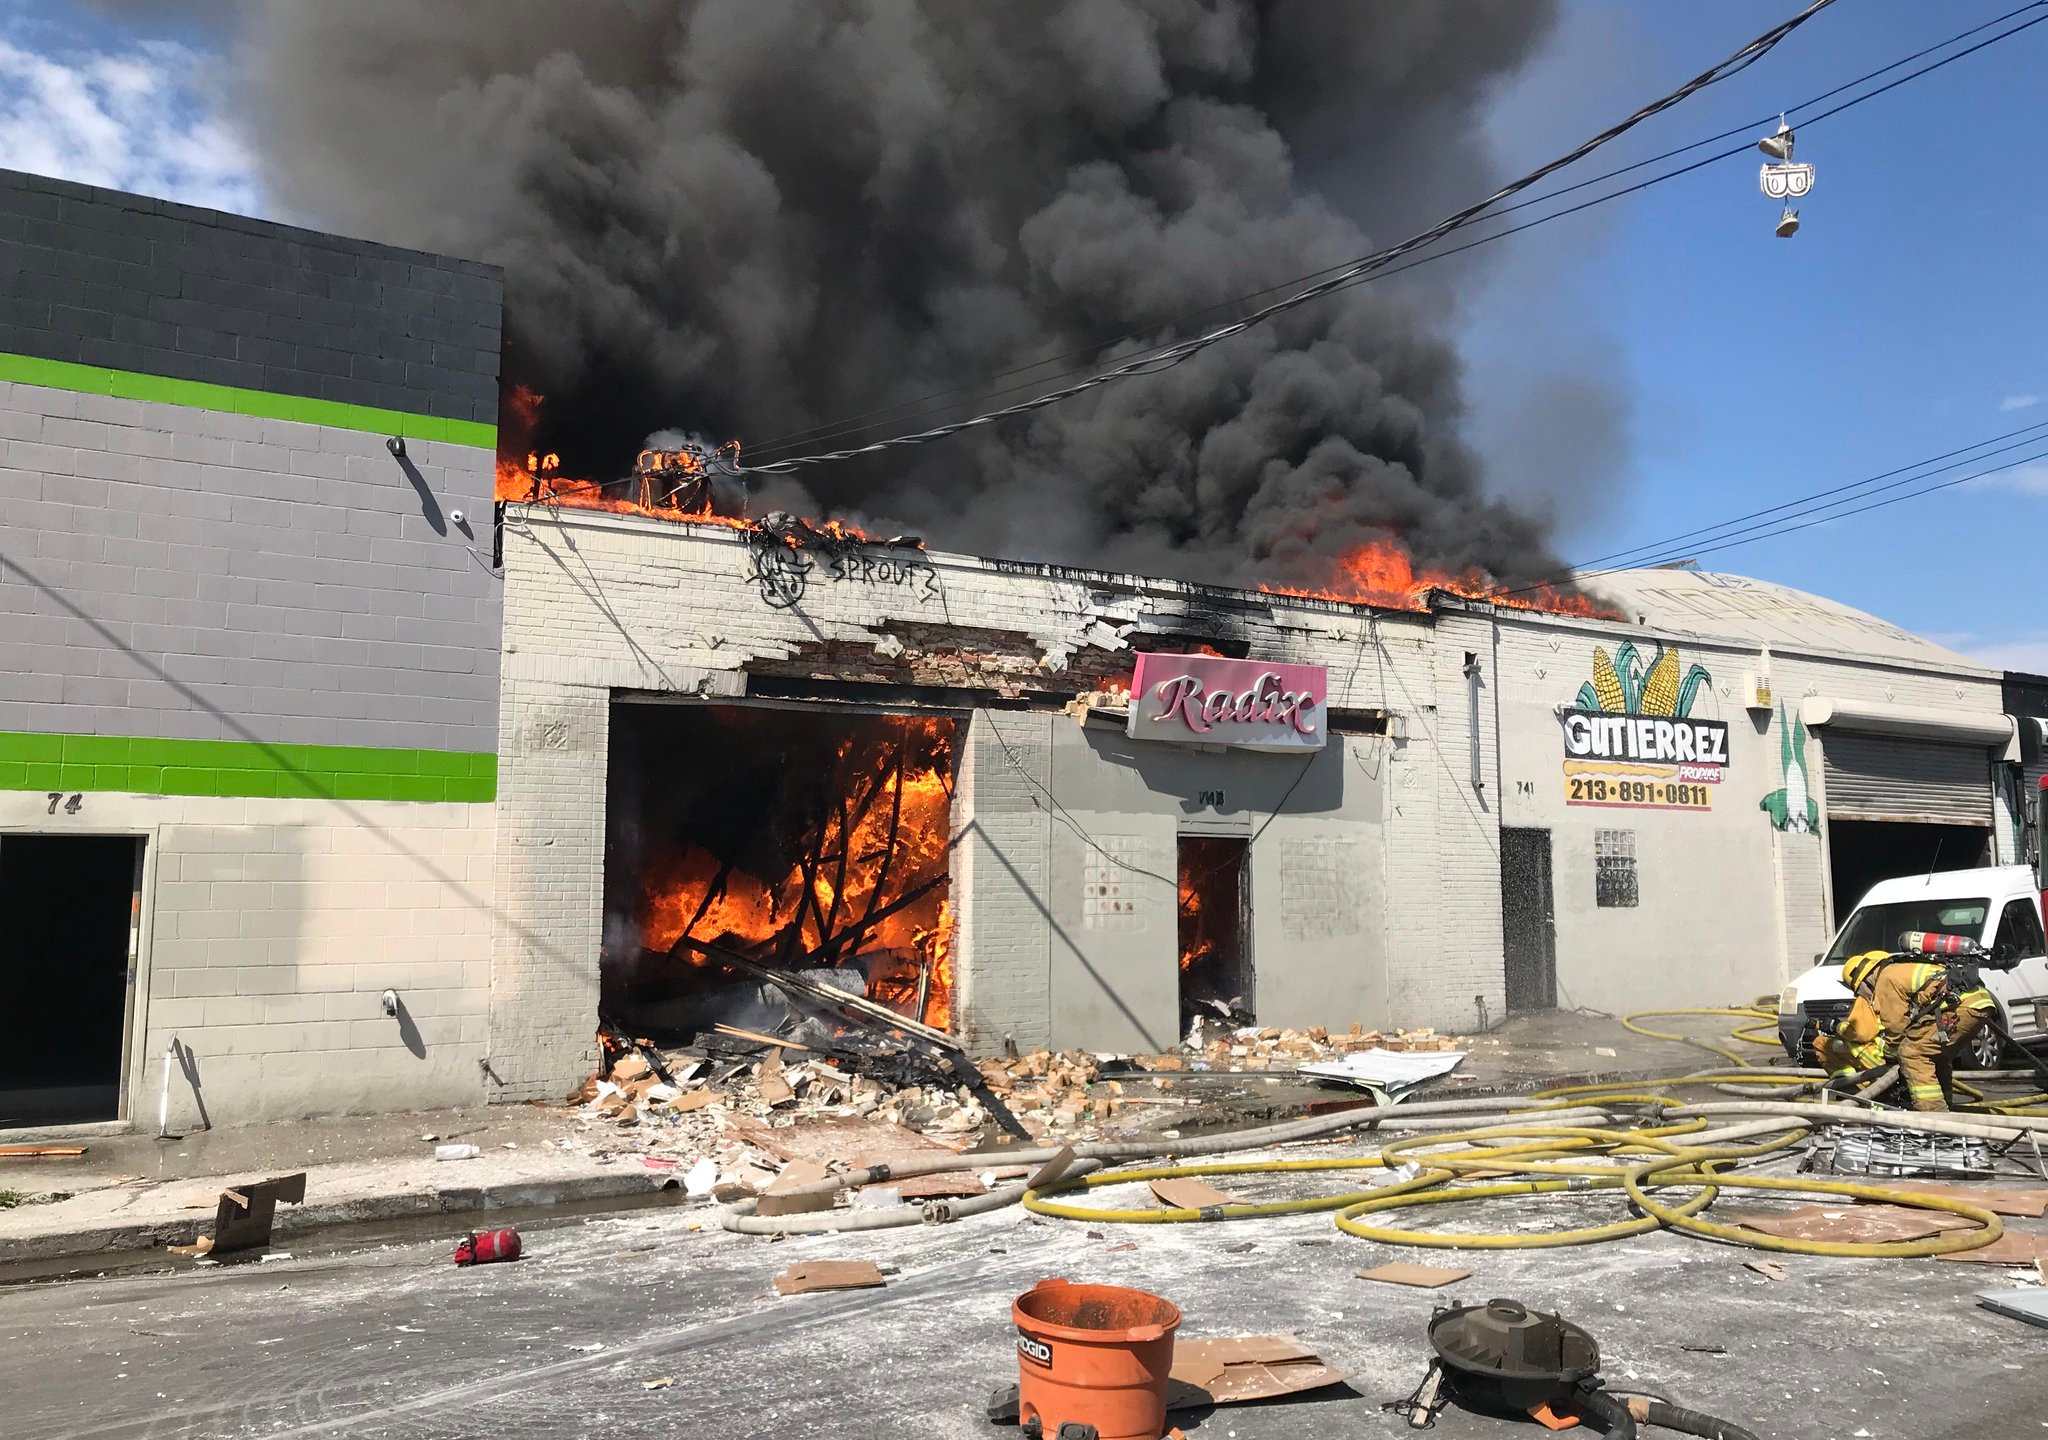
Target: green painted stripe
<point>265,404</point>
<point>140,766</point>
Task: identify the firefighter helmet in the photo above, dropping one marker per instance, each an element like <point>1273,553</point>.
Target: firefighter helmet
<point>1859,967</point>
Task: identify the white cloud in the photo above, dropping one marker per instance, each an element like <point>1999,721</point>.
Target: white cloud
<point>128,120</point>
<point>2028,479</point>
<point>2028,654</point>
<point>2021,402</point>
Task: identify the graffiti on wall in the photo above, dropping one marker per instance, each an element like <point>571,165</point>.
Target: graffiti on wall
<point>1631,740</point>
<point>1792,808</point>
<point>783,573</point>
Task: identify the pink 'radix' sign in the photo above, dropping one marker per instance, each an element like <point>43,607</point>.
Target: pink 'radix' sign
<point>1209,700</point>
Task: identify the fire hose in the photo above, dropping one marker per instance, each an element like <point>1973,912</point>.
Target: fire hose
<point>741,1217</point>
<point>1499,1139</point>
<point>1555,1157</point>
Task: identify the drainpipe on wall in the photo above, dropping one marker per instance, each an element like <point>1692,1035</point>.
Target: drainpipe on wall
<point>1472,717</point>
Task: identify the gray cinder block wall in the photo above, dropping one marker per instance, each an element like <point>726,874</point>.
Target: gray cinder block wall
<point>241,620</point>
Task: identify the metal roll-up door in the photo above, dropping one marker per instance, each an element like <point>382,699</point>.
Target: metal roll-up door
<point>1869,778</point>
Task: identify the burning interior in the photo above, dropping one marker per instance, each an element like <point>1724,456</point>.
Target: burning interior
<point>812,841</point>
<point>1215,949</point>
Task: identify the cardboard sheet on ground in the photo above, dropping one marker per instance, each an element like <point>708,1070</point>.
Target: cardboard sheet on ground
<point>2028,1305</point>
<point>242,1220</point>
<point>1189,1194</point>
<point>1389,1070</point>
<point>815,1275</point>
<point>2033,1203</point>
<point>1859,1224</point>
<point>1247,1367</point>
<point>835,1138</point>
<point>1424,1277</point>
<point>777,1199</point>
<point>919,1187</point>
<point>2014,1247</point>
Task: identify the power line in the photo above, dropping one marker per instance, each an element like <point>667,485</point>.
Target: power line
<point>1859,510</point>
<point>1175,354</point>
<point>849,425</point>
<point>1629,558</point>
<point>1722,537</point>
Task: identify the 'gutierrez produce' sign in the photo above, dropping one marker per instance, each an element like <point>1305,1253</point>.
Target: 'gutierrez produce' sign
<point>1631,740</point>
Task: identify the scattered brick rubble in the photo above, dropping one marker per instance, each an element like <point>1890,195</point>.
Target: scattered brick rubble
<point>729,1124</point>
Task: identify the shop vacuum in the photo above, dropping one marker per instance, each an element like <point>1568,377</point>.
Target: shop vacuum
<point>1504,1359</point>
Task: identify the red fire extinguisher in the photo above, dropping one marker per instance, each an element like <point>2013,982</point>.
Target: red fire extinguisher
<point>491,1245</point>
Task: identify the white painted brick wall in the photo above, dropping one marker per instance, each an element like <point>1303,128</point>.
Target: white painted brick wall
<point>1002,877</point>
<point>551,783</point>
<point>271,929</point>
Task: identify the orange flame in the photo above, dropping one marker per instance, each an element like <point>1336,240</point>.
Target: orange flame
<point>1381,572</point>
<point>1191,921</point>
<point>892,826</point>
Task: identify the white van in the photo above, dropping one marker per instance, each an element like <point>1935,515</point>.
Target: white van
<point>1998,907</point>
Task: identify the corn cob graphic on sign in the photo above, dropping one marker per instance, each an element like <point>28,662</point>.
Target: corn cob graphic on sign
<point>1631,740</point>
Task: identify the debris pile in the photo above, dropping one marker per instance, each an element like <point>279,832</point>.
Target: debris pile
<point>1049,1091</point>
<point>1249,1047</point>
<point>731,1114</point>
<point>789,1082</point>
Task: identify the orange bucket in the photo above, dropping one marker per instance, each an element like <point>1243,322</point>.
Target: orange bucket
<point>1099,1354</point>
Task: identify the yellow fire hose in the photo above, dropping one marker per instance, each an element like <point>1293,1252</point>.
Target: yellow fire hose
<point>1557,1158</point>
<point>1745,1033</point>
<point>1763,1031</point>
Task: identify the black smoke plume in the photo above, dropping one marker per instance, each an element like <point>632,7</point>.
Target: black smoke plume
<point>751,218</point>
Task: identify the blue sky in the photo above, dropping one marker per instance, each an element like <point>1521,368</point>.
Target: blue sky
<point>1906,319</point>
<point>1650,367</point>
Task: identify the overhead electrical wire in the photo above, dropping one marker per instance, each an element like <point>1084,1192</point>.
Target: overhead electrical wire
<point>927,404</point>
<point>1628,558</point>
<point>1859,510</point>
<point>1171,355</point>
<point>1821,514</point>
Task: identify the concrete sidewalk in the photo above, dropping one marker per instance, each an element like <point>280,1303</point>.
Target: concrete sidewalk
<point>133,1192</point>
<point>136,1192</point>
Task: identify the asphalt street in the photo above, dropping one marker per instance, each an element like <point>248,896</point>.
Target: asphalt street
<point>393,1341</point>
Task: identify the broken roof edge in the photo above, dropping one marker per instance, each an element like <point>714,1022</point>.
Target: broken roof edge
<point>1434,601</point>
<point>1132,581</point>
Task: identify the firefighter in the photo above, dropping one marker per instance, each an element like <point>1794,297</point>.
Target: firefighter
<point>1915,1012</point>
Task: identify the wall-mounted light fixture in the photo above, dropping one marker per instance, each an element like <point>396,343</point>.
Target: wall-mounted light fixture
<point>396,445</point>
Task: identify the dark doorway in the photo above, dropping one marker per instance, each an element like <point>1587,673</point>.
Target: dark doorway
<point>67,920</point>
<point>1863,852</point>
<point>1528,920</point>
<point>1215,936</point>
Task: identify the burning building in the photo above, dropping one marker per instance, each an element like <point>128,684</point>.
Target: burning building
<point>353,758</point>
<point>1108,804</point>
